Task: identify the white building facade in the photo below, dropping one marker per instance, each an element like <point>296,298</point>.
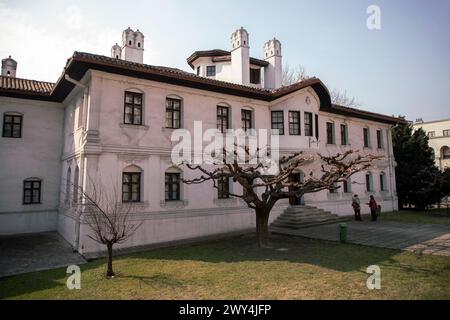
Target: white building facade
<point>438,133</point>
<point>111,119</point>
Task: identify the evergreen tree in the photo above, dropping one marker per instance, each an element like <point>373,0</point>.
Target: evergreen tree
<point>416,173</point>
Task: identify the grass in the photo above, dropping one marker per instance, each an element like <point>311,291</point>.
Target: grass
<point>292,268</point>
<point>436,216</point>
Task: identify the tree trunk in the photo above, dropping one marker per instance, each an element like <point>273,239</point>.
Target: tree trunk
<point>262,228</point>
<point>110,272</point>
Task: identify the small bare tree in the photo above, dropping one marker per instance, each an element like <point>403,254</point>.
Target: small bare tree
<point>109,218</point>
<point>296,74</point>
<point>262,191</point>
<point>293,75</point>
<point>341,99</point>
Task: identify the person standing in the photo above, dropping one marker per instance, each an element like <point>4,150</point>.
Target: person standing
<point>373,205</point>
<point>356,207</point>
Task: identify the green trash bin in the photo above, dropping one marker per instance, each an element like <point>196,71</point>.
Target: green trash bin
<point>343,232</point>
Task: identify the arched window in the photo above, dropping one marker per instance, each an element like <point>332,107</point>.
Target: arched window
<point>32,191</point>
<point>76,193</point>
<point>68,176</point>
<point>139,44</point>
<point>369,182</point>
<point>131,184</point>
<point>383,181</point>
<point>129,42</point>
<point>172,184</point>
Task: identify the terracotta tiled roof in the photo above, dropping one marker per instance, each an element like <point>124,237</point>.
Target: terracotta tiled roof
<point>219,55</point>
<point>24,85</point>
<point>81,62</point>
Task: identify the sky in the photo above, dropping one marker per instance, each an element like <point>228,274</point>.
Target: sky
<point>402,68</point>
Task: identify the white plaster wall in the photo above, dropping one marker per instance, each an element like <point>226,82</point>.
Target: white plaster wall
<point>36,154</point>
<point>148,147</point>
<point>438,141</point>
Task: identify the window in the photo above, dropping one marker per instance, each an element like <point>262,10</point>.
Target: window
<point>173,113</point>
<point>330,133</point>
<point>172,186</point>
<point>131,187</point>
<point>431,134</point>
<point>255,76</point>
<point>366,137</point>
<point>246,117</point>
<point>133,108</point>
<point>68,177</point>
<point>198,71</point>
<point>334,188</point>
<point>446,133</point>
<point>316,123</point>
<point>383,182</point>
<point>223,185</point>
<point>32,191</point>
<point>211,71</point>
<point>294,123</point>
<point>278,121</point>
<point>344,135</point>
<point>308,124</point>
<point>346,185</point>
<point>76,176</point>
<point>368,182</point>
<point>223,118</point>
<point>379,139</point>
<point>12,126</point>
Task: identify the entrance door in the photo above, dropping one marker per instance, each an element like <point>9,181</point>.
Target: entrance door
<point>296,201</point>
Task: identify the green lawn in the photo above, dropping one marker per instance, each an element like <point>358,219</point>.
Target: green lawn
<point>436,216</point>
<point>293,268</point>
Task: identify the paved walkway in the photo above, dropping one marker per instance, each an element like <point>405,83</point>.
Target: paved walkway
<point>35,252</point>
<point>419,238</point>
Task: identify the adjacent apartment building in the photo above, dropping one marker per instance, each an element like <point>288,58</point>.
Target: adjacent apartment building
<point>438,133</point>
<point>110,118</point>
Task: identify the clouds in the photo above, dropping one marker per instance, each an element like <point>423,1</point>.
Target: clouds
<point>42,42</point>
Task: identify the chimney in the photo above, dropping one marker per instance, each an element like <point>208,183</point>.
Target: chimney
<point>273,72</point>
<point>132,46</point>
<point>9,67</point>
<point>240,57</point>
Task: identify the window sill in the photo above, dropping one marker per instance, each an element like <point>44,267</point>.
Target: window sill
<point>134,126</point>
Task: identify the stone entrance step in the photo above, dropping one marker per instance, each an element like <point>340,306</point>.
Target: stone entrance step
<point>297,217</point>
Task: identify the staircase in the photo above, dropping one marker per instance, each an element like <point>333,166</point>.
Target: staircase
<point>297,217</point>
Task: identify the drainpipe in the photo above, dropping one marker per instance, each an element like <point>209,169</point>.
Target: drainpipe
<point>78,216</point>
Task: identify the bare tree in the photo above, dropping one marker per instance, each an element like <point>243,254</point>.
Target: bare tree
<point>261,191</point>
<point>341,99</point>
<point>293,75</point>
<point>109,218</point>
<point>296,74</point>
